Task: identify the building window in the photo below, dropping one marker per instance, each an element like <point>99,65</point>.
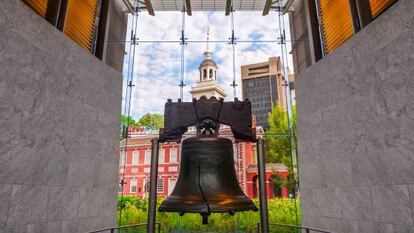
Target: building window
<point>173,155</point>
<point>135,157</point>
<point>147,157</point>
<point>336,22</point>
<point>133,186</point>
<point>172,169</point>
<point>146,185</point>
<point>40,6</point>
<point>204,74</point>
<point>146,169</point>
<point>161,156</point>
<point>378,6</point>
<point>122,158</point>
<point>134,170</point>
<point>211,73</point>
<point>80,22</point>
<point>160,185</point>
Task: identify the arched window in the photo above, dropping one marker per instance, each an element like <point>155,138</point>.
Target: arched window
<point>211,74</point>
<point>204,74</point>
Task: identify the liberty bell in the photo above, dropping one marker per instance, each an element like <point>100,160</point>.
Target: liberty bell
<point>207,181</point>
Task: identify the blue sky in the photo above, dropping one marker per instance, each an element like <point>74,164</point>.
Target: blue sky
<point>157,65</point>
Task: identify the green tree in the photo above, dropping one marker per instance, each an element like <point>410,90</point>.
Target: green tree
<point>124,120</point>
<point>278,147</point>
<point>152,121</point>
<point>124,123</point>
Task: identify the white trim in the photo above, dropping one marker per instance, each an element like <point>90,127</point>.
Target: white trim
<point>163,185</point>
<point>147,157</point>
<point>135,157</point>
<point>133,181</point>
<point>176,155</point>
<point>161,156</point>
<point>170,189</point>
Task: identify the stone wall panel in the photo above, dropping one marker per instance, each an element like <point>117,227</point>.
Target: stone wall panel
<point>355,121</point>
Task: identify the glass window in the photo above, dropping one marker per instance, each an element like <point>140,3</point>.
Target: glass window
<point>161,156</point>
<point>134,170</point>
<point>336,22</point>
<point>160,186</point>
<point>39,6</point>
<point>147,157</point>
<point>135,157</point>
<point>173,155</point>
<point>133,186</point>
<point>146,185</point>
<point>378,6</point>
<point>80,22</point>
<point>122,158</point>
<point>172,169</point>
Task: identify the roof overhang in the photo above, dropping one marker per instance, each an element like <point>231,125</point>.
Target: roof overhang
<point>190,6</point>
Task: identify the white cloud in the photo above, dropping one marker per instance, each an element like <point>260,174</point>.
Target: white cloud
<point>157,65</point>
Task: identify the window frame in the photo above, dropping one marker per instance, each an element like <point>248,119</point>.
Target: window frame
<point>175,154</point>
<point>133,183</point>
<point>135,157</point>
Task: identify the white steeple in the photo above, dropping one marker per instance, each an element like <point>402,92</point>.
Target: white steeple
<point>207,53</point>
<point>207,84</point>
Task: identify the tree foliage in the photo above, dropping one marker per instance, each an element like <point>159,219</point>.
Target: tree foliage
<point>151,121</point>
<point>278,145</point>
<point>124,120</point>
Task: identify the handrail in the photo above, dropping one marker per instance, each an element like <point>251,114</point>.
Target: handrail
<point>307,229</point>
<point>112,229</point>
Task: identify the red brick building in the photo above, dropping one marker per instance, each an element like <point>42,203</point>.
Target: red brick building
<point>137,158</point>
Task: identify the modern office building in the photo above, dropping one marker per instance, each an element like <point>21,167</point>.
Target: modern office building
<point>263,85</point>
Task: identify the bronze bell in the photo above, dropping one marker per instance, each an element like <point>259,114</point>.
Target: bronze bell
<point>207,181</point>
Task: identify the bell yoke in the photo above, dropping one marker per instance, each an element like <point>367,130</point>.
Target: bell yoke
<point>207,182</point>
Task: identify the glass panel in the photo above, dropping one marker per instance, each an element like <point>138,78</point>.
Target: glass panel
<point>336,22</point>
<point>40,6</point>
<point>80,22</point>
<point>378,6</point>
<point>135,157</point>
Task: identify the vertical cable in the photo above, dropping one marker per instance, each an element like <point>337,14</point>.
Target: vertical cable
<point>288,97</point>
<point>233,43</point>
<point>182,43</point>
<point>128,95</point>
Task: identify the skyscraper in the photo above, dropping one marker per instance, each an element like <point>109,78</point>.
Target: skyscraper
<point>262,84</point>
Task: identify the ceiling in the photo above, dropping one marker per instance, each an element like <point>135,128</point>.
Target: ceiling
<point>152,6</point>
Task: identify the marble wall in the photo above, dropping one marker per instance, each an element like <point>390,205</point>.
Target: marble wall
<point>356,130</point>
<point>59,117</point>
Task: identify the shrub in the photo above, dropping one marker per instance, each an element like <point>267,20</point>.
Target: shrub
<point>281,210</point>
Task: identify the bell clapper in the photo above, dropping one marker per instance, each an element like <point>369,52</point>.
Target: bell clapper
<point>205,218</point>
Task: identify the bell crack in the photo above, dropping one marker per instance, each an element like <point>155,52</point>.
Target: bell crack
<point>204,215</point>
